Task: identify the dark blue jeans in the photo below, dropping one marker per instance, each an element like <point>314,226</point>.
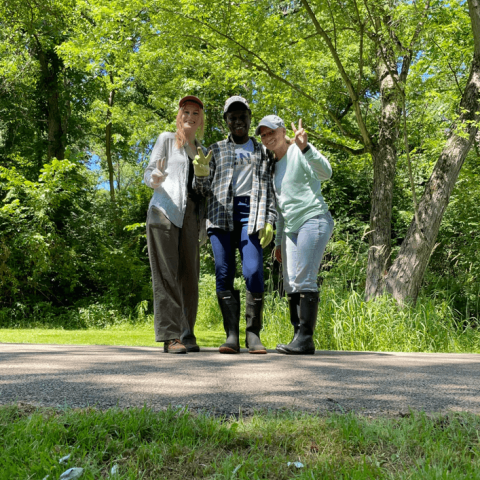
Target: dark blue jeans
<point>224,245</point>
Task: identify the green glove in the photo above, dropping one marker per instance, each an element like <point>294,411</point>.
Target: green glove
<point>201,162</point>
<point>265,235</point>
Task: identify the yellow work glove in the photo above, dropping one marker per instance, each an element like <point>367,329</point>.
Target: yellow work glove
<point>201,162</point>
<point>265,235</point>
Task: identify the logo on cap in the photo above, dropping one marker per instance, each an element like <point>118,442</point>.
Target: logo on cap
<point>235,99</point>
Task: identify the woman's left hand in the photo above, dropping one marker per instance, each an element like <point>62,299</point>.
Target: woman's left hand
<point>301,138</point>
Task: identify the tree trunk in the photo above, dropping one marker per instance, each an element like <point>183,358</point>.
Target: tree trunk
<point>50,67</point>
<point>108,142</point>
<point>384,156</point>
<point>67,111</point>
<point>406,274</point>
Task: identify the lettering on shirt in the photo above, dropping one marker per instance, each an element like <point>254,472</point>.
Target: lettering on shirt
<point>243,158</point>
<point>243,168</point>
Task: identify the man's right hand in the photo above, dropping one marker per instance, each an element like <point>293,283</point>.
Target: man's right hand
<point>201,163</point>
<point>278,253</point>
<point>158,175</point>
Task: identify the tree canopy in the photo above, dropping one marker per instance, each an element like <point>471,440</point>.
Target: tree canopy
<point>388,90</point>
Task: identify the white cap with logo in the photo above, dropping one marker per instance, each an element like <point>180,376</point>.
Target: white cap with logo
<point>270,121</point>
<point>235,99</point>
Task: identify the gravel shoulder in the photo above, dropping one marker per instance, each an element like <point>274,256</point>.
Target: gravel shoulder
<point>368,383</point>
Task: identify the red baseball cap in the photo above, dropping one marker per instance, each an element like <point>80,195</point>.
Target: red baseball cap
<point>190,98</point>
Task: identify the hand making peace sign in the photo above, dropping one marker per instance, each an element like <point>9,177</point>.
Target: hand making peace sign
<point>158,173</point>
<point>300,135</point>
<point>201,164</point>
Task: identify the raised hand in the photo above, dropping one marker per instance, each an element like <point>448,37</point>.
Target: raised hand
<point>201,163</point>
<point>301,138</point>
<point>158,174</point>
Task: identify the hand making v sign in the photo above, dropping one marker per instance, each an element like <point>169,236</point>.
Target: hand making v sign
<point>301,138</point>
<point>158,174</point>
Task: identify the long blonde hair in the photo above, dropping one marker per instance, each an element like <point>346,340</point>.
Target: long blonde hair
<point>180,137</point>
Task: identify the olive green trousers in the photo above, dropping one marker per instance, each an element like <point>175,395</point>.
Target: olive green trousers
<point>175,264</point>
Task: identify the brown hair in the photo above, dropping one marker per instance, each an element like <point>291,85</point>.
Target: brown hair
<point>180,137</point>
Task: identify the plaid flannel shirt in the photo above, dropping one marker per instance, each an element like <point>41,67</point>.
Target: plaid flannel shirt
<point>218,188</point>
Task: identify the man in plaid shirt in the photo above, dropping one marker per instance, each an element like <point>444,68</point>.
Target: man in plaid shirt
<point>241,214</point>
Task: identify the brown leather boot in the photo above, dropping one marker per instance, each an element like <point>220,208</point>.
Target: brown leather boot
<point>174,346</point>
<point>189,339</point>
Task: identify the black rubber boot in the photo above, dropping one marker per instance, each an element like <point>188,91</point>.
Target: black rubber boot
<point>303,344</point>
<point>229,302</point>
<point>253,316</point>
<point>294,309</point>
<point>190,341</point>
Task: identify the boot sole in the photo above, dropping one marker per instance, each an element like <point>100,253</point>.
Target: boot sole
<point>228,350</point>
<point>259,352</point>
<point>290,352</point>
<point>298,353</point>
<point>193,349</point>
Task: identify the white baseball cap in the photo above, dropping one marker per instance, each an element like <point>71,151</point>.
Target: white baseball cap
<point>270,121</point>
<point>232,100</point>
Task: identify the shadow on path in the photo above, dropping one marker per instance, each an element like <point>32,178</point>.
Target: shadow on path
<point>365,382</point>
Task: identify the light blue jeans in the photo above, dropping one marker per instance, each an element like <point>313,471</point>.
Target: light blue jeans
<point>302,253</point>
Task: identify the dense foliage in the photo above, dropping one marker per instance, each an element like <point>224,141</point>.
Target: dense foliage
<point>86,86</point>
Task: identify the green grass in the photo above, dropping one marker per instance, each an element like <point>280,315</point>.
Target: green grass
<point>345,322</point>
<point>121,335</point>
<point>175,444</point>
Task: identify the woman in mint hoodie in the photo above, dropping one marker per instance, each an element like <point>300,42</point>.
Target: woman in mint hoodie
<point>304,224</point>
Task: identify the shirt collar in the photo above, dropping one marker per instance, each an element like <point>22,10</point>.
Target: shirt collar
<point>254,140</point>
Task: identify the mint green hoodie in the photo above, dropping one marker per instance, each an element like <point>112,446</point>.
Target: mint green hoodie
<point>297,182</point>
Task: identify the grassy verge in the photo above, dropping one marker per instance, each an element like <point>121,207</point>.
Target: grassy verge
<point>173,444</point>
<point>121,335</point>
<point>345,322</point>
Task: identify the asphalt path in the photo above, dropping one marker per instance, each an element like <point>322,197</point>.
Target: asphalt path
<point>369,383</point>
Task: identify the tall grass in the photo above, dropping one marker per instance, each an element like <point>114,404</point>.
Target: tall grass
<point>347,322</point>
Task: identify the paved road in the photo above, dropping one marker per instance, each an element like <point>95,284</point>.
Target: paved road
<point>368,383</point>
